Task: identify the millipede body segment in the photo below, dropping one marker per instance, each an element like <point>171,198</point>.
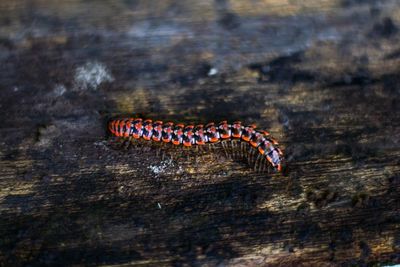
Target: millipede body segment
<point>192,135</point>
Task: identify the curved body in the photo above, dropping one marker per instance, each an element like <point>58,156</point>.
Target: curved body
<point>190,135</point>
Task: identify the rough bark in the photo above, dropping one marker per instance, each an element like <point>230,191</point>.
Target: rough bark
<point>321,76</point>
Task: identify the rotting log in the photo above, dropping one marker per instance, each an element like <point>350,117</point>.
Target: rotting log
<point>321,76</point>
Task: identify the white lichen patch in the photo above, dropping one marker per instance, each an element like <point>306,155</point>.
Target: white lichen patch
<point>166,167</point>
<point>59,90</point>
<point>91,75</point>
<point>212,72</point>
<point>161,168</point>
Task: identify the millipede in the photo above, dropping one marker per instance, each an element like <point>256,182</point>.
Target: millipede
<point>199,135</point>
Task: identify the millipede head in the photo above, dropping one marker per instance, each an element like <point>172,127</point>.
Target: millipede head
<point>274,158</point>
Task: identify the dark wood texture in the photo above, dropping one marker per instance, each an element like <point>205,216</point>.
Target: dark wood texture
<point>321,76</point>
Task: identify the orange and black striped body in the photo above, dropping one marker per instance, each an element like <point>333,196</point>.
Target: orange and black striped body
<point>190,135</point>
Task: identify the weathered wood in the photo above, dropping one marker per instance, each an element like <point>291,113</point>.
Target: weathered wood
<point>321,76</point>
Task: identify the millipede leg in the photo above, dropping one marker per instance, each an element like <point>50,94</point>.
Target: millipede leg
<point>201,149</point>
<point>257,162</point>
<point>203,158</point>
<point>115,142</point>
<point>158,152</point>
<point>126,143</point>
<point>241,149</point>
<point>211,147</point>
<point>251,155</point>
<point>228,150</point>
<point>246,151</point>
<point>120,143</point>
<point>225,148</point>
<point>237,149</point>
<point>231,148</point>
<point>234,149</point>
<point>187,153</point>
<point>262,164</point>
<point>255,154</point>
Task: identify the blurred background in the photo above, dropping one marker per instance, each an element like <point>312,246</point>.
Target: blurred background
<point>321,76</point>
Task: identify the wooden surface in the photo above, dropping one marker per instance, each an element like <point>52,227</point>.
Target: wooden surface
<point>321,76</point>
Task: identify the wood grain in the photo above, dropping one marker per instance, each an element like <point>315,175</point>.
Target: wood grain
<point>322,77</point>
